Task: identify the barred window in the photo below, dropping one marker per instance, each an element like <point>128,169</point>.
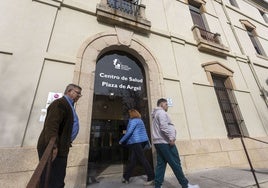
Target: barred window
<point>229,107</point>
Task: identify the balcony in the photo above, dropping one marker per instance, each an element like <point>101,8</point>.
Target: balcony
<point>209,42</point>
<point>124,6</point>
<point>124,13</point>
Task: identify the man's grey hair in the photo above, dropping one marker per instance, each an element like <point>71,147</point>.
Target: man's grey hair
<point>71,87</point>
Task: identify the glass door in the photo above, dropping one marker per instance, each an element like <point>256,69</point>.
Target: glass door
<point>119,86</point>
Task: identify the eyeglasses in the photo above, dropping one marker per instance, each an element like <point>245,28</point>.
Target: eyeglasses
<point>78,93</point>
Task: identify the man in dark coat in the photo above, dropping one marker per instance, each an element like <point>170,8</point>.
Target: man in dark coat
<point>61,122</point>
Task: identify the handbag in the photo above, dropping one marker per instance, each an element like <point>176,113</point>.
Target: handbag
<point>147,145</point>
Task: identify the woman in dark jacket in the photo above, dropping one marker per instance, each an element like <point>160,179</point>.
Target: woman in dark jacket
<point>135,138</point>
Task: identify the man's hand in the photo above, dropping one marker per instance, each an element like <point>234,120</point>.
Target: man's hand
<point>54,153</point>
<point>172,142</point>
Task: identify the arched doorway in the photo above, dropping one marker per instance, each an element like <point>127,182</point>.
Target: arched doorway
<point>120,84</point>
<point>84,75</point>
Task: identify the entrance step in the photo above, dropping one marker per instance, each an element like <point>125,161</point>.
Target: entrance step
<point>114,181</point>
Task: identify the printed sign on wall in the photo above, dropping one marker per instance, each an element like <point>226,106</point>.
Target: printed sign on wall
<point>50,98</point>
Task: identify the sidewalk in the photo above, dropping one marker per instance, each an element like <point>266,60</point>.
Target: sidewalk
<point>215,178</point>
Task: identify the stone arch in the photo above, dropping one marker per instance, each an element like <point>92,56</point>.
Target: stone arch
<point>84,73</point>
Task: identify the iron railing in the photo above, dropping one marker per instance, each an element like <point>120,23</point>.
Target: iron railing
<point>126,6</point>
<point>248,157</point>
<point>43,166</point>
<point>254,139</point>
<point>234,121</point>
<point>209,36</point>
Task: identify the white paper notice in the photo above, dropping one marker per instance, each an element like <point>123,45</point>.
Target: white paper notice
<point>52,96</point>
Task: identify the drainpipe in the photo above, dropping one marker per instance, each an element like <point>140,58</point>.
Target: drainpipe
<point>262,90</point>
<point>251,66</point>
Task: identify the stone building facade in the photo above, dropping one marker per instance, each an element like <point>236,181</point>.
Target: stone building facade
<point>208,57</point>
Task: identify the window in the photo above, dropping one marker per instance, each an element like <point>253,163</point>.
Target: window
<point>233,3</point>
<point>221,78</point>
<point>207,41</point>
<point>196,16</point>
<point>254,40</point>
<point>251,31</point>
<point>198,20</point>
<point>229,107</point>
<point>263,14</point>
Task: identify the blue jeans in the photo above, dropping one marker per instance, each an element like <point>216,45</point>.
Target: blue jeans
<point>137,154</point>
<point>168,154</point>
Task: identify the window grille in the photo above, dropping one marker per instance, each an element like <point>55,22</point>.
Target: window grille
<point>229,107</point>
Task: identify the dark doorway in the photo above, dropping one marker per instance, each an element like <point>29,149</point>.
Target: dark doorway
<point>120,85</point>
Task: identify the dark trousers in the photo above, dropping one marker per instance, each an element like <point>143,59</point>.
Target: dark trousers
<point>57,172</point>
<point>168,154</point>
<point>137,154</point>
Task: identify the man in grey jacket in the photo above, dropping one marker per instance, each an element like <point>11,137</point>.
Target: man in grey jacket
<point>164,137</point>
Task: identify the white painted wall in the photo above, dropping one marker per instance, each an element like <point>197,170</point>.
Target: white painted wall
<point>55,76</point>
<point>25,32</point>
<point>41,43</point>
